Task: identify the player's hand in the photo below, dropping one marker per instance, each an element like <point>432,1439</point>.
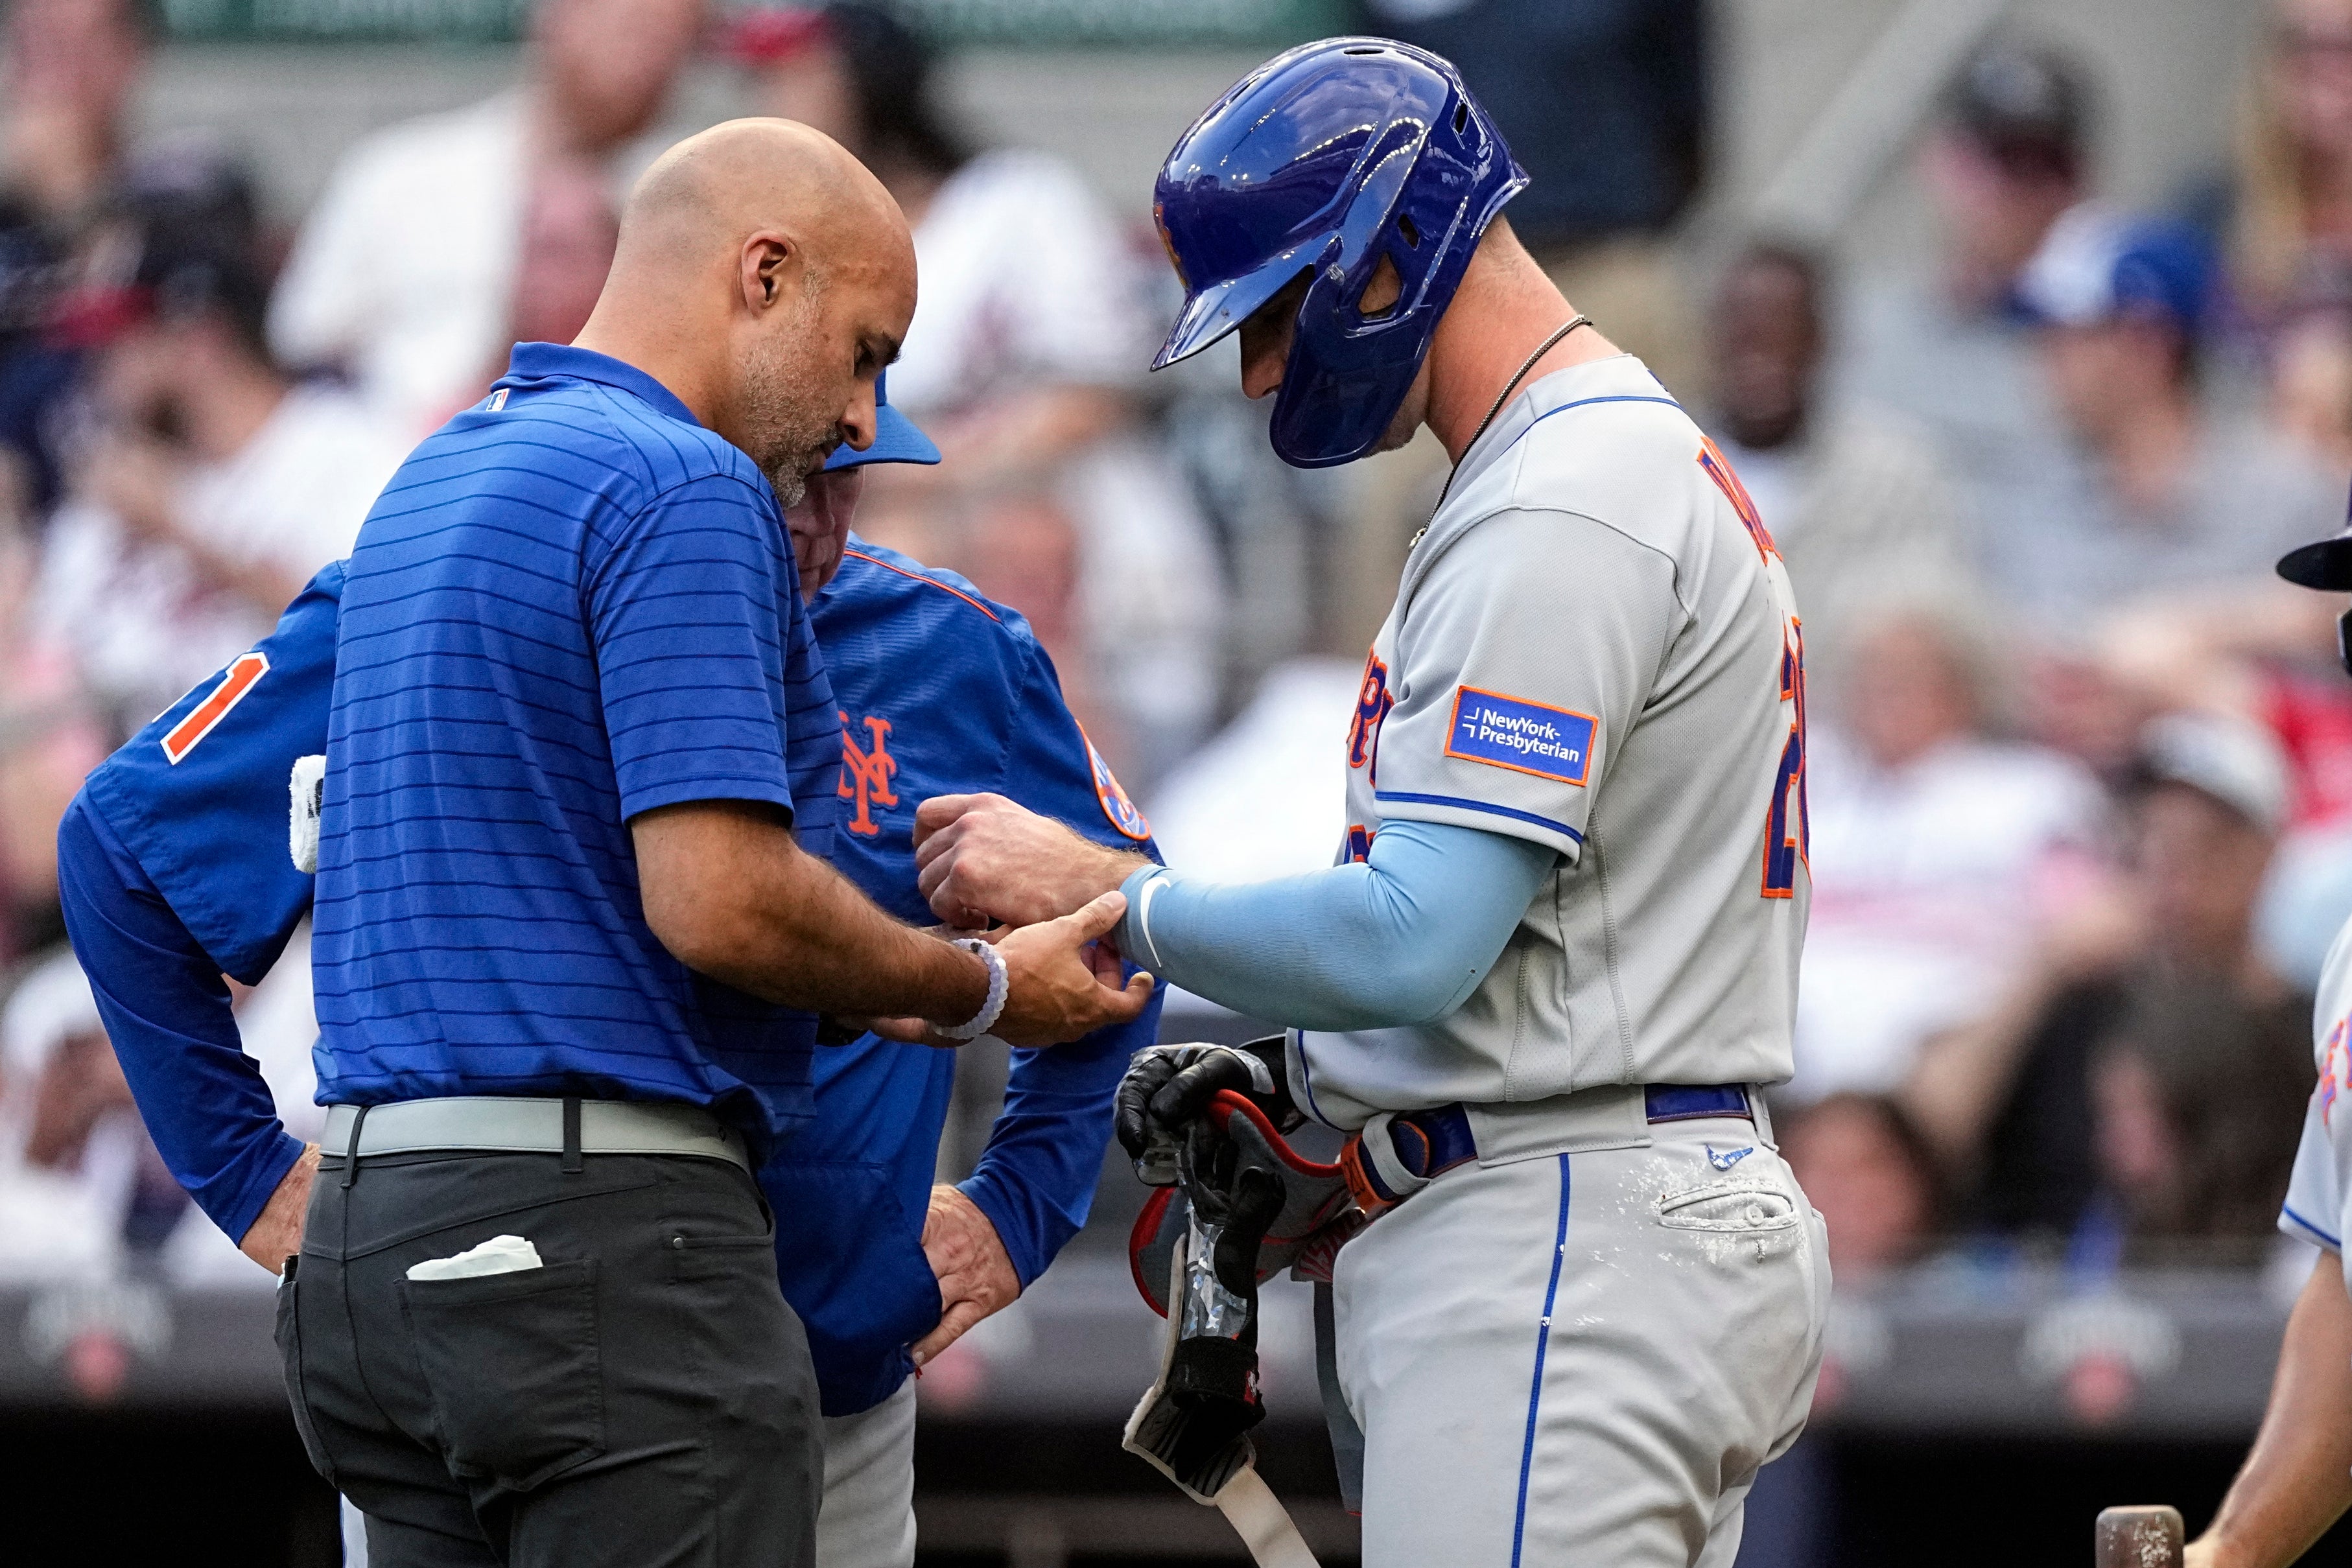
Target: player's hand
<point>277,1234</point>
<point>976,1276</point>
<point>979,858</point>
<point>1168,1086</point>
<point>1061,983</point>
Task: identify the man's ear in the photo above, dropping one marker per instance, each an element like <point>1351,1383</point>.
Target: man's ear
<point>772,266</point>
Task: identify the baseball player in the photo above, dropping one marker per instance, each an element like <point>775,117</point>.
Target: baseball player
<point>2297,1480</point>
<point>1558,954</point>
<point>176,867</point>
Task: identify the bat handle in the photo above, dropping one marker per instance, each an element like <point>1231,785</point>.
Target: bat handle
<point>2148,1536</point>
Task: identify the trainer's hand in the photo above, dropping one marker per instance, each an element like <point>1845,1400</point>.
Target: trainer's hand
<point>981,857</point>
<point>976,1276</point>
<point>1061,983</point>
<point>277,1234</point>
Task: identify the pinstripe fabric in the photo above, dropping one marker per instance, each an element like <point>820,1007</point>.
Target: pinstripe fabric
<point>571,605</point>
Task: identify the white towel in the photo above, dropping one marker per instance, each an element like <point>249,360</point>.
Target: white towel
<point>499,1255</point>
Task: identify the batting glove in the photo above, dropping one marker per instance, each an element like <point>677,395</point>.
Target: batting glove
<point>1169,1087</point>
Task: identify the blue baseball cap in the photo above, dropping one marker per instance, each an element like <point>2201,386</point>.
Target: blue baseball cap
<point>2097,266</point>
<point>896,438</point>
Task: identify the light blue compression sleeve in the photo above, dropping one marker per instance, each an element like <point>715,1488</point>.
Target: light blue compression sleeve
<point>1400,939</point>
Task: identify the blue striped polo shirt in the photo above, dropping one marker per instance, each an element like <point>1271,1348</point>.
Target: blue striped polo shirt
<point>571,605</point>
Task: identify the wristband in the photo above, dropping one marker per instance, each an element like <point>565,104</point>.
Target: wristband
<point>998,988</point>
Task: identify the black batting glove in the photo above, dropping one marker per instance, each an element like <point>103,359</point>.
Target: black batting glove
<point>1168,1089</point>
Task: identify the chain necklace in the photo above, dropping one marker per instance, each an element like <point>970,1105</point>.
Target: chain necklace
<point>1500,399</point>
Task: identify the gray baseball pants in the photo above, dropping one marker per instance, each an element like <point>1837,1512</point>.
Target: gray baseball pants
<point>1581,1357</point>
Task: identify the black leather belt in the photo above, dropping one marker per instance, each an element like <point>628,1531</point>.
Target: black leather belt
<point>1428,1144</point>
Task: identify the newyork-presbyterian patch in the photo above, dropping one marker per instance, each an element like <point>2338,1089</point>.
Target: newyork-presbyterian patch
<point>1524,737</point>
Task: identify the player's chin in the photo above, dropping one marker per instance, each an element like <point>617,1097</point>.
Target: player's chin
<point>1405,425</point>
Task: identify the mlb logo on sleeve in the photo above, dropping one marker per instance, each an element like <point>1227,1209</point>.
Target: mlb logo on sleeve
<point>1524,737</point>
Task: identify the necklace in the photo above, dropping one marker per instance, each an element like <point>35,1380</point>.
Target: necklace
<point>1500,399</point>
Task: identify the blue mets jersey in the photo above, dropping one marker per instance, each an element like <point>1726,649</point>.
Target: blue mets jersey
<point>175,871</point>
<point>572,604</point>
<point>941,692</point>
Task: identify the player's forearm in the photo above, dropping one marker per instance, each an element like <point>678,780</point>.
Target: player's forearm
<point>731,896</point>
<point>1401,940</point>
<point>2297,1480</point>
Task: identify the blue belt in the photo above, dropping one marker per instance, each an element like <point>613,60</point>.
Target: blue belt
<point>1431,1142</point>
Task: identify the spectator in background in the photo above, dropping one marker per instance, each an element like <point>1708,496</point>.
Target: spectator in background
<point>1024,364</point>
<point>1937,852</point>
<point>403,274</point>
<point>70,69</point>
<point>214,486</point>
<point>1863,513</point>
<point>2291,226</point>
<point>1562,79</point>
<point>67,69</point>
<point>49,740</point>
<point>2011,153</point>
<point>77,1196</point>
<point>2196,1099</point>
<point>2009,1103</point>
<point>2311,384</point>
<point>83,1191</point>
<point>1871,1175</point>
<point>2158,493</point>
<point>1022,542</point>
<point>570,229</point>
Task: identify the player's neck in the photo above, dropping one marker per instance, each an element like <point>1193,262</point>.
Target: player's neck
<point>1505,307</point>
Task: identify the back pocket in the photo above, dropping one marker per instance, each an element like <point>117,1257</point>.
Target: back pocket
<point>512,1365</point>
<point>1734,1207</point>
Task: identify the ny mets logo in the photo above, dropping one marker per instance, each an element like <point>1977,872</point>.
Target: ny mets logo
<point>1372,704</point>
<point>1121,813</point>
<point>866,775</point>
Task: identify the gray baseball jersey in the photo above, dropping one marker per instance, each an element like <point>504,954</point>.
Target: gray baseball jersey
<point>1595,647</point>
<point>2315,1207</point>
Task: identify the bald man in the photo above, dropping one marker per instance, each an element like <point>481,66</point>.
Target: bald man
<point>572,916</point>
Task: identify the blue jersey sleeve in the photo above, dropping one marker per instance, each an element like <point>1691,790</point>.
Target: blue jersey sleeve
<point>167,1008</point>
<point>201,796</point>
<point>696,613</point>
<point>1035,1180</point>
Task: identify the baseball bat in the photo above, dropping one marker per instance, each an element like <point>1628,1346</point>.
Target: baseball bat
<point>2148,1536</point>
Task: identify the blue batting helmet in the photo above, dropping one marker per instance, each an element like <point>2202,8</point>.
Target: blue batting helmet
<point>1321,161</point>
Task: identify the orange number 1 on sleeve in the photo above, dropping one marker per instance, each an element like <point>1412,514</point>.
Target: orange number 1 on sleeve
<point>243,672</point>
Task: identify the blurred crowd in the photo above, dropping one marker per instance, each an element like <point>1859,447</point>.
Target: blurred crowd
<point>2079,767</point>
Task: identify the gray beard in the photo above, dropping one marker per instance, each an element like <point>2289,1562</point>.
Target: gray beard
<point>776,385</point>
